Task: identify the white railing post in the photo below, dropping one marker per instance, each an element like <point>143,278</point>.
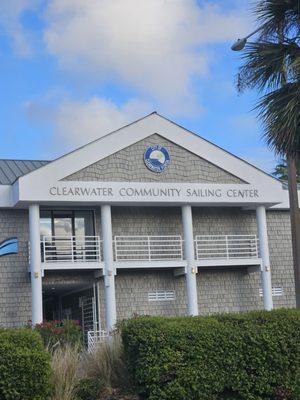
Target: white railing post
<point>256,246</point>
<point>149,249</point>
<point>72,249</point>
<point>181,248</point>
<point>44,248</point>
<point>115,247</point>
<point>227,250</point>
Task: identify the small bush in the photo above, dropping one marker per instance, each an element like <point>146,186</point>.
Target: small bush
<point>24,366</point>
<point>66,332</point>
<point>88,389</point>
<point>250,356</point>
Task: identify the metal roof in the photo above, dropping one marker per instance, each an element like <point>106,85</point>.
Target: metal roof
<point>10,170</point>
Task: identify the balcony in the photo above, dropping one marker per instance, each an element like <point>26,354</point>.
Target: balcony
<point>140,251</point>
<point>72,252</point>
<point>230,250</point>
<point>149,251</point>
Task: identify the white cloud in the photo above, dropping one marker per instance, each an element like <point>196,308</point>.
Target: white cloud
<point>76,123</point>
<point>156,47</point>
<point>11,12</point>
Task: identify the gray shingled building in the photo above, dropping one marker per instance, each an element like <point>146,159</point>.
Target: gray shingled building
<point>149,219</point>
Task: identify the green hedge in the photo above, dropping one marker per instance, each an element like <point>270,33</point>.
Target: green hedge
<point>24,366</point>
<point>250,356</point>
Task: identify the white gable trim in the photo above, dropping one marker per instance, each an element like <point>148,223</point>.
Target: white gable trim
<point>38,181</point>
<point>139,130</point>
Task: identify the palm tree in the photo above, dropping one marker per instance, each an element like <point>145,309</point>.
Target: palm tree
<point>281,171</point>
<point>272,66</point>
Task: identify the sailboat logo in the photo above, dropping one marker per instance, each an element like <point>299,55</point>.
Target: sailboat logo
<point>157,158</point>
<point>9,246</point>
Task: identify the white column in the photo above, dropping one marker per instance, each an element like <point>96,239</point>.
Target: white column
<point>265,256</point>
<point>35,264</point>
<point>189,252</point>
<point>109,273</point>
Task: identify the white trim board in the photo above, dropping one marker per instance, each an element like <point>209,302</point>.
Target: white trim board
<point>149,193</point>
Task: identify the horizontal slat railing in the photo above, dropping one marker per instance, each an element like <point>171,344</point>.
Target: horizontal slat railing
<point>148,248</point>
<point>226,246</point>
<point>75,249</point>
<point>72,249</point>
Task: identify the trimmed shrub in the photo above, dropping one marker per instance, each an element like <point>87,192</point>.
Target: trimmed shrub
<point>24,366</point>
<point>250,356</point>
<point>61,333</point>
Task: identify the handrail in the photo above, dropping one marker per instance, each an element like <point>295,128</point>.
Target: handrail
<point>148,248</point>
<point>72,249</point>
<point>226,246</point>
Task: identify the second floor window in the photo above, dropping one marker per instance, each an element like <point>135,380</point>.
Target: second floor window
<point>66,223</point>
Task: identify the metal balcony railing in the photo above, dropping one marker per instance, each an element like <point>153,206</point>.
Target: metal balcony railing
<point>148,248</point>
<point>72,249</point>
<point>226,247</point>
<point>85,249</point>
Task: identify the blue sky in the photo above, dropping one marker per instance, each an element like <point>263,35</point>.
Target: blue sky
<point>72,70</point>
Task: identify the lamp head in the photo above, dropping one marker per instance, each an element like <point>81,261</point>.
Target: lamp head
<point>239,45</point>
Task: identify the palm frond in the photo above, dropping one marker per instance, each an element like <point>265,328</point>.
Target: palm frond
<point>275,14</point>
<point>279,112</point>
<point>267,65</point>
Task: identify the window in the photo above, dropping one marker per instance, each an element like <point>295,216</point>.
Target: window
<point>45,223</point>
<point>67,223</point>
<point>161,295</point>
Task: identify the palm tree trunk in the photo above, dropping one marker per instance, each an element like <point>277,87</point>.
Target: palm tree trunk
<point>295,222</point>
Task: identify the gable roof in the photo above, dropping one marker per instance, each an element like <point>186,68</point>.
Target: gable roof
<point>10,170</point>
<point>125,136</point>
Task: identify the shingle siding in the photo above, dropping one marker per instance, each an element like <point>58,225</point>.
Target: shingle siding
<point>15,288</point>
<point>221,290</point>
<point>281,257</point>
<point>128,165</point>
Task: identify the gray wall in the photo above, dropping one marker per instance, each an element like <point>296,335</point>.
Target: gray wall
<point>15,288</point>
<point>132,288</point>
<point>128,165</point>
<point>279,233</point>
<point>218,291</point>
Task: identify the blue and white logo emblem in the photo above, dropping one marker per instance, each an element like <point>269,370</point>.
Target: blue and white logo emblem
<point>9,246</point>
<point>157,158</point>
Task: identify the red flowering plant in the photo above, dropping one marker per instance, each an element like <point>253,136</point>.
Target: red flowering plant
<point>59,333</point>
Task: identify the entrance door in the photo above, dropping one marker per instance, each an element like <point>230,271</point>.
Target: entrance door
<point>62,223</point>
<point>68,235</point>
<point>63,232</point>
